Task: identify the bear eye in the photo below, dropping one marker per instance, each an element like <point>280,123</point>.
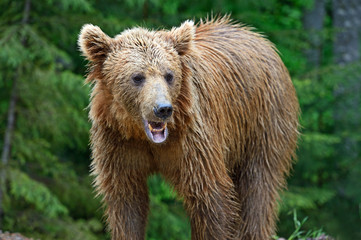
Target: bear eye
<point>169,77</point>
<point>138,79</point>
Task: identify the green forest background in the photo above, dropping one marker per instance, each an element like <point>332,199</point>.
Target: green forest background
<point>46,190</point>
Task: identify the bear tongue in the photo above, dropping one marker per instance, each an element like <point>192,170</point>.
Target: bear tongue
<point>158,136</point>
<point>157,131</point>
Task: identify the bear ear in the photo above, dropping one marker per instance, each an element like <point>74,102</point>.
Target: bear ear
<point>94,43</point>
<point>182,37</point>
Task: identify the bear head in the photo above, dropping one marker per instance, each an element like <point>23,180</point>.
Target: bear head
<point>144,71</point>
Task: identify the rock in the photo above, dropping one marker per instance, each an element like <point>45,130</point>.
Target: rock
<point>12,236</point>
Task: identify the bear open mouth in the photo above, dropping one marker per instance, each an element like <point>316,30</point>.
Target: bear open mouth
<point>157,132</point>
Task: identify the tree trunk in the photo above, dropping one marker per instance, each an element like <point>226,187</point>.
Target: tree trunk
<point>146,9</point>
<point>7,143</point>
<point>313,24</point>
<point>11,119</point>
<point>347,22</point>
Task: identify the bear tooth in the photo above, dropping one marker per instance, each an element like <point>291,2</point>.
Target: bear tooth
<point>154,129</point>
<point>157,130</point>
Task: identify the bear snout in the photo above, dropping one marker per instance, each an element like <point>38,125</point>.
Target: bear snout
<point>163,110</point>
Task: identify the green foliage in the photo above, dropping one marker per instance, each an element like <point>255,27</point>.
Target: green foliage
<point>323,177</point>
<point>167,219</point>
<point>306,198</point>
<point>38,226</point>
<point>300,234</point>
<point>35,193</point>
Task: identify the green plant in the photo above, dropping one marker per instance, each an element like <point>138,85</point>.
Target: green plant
<point>300,234</point>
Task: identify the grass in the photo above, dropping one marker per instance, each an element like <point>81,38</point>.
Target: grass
<point>300,234</point>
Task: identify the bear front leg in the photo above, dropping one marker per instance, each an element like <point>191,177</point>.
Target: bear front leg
<point>121,169</point>
<point>208,198</point>
<point>211,216</point>
<point>127,206</point>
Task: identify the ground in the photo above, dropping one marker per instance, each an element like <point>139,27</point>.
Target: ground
<point>17,236</point>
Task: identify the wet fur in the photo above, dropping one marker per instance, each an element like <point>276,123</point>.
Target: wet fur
<point>232,135</point>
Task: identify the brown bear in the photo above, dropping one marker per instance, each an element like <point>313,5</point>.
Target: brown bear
<point>210,107</point>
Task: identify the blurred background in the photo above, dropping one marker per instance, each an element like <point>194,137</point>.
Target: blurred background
<point>45,186</point>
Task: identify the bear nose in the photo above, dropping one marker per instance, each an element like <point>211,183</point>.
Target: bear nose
<point>163,110</point>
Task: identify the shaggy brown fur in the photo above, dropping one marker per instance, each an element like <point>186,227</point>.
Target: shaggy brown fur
<point>232,133</point>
